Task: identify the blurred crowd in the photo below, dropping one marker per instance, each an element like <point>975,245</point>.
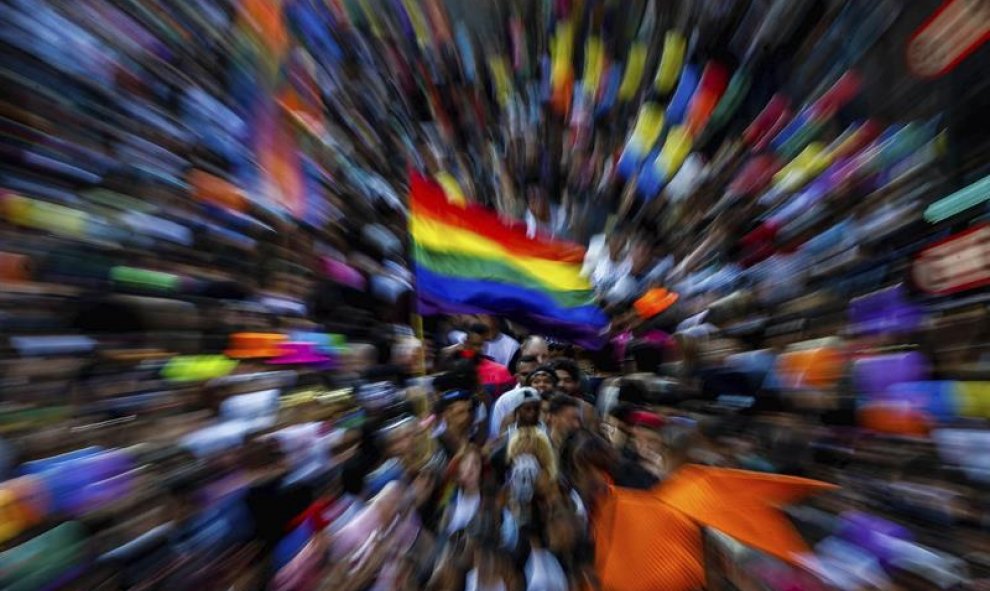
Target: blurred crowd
<point>212,374</point>
<point>314,465</point>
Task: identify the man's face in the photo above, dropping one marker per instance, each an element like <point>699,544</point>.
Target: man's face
<point>523,370</point>
<point>474,342</point>
<point>537,347</point>
<point>542,383</point>
<point>567,384</point>
<point>567,420</point>
<point>528,414</point>
<point>458,416</point>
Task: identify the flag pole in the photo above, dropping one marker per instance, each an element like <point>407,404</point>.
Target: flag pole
<point>417,324</point>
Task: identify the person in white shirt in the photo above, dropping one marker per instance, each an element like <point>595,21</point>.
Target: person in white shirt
<point>499,346</point>
<point>507,403</point>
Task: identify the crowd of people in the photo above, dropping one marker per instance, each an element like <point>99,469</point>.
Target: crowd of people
<point>213,376</point>
<point>483,475</point>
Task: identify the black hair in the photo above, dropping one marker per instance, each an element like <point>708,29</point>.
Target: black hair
<point>647,356</point>
<point>462,375</point>
<point>555,345</point>
<point>448,398</point>
<point>383,348</point>
<point>517,359</point>
<point>586,449</point>
<point>547,369</point>
<point>632,392</point>
<point>514,361</point>
<point>478,328</point>
<point>621,411</point>
<point>605,359</point>
<point>562,401</point>
<point>570,366</point>
<point>352,478</point>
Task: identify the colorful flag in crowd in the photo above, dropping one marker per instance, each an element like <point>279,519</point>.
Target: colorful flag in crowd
<point>469,261</point>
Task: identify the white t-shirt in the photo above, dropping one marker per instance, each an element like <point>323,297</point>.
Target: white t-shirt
<point>501,349</point>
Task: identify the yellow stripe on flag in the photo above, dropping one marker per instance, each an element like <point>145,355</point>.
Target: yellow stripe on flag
<point>440,237</point>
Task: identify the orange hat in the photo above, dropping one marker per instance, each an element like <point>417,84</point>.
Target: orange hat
<point>894,419</point>
<point>255,345</point>
<point>654,302</point>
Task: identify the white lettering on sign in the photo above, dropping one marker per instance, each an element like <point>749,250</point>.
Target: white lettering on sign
<point>958,263</point>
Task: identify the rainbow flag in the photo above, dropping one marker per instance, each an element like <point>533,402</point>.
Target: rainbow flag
<point>468,261</point>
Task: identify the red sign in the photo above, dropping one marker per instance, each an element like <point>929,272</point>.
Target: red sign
<point>958,263</point>
<point>952,33</point>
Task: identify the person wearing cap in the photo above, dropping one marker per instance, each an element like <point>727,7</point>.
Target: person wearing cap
<point>526,415</point>
<point>506,403</point>
<point>544,380</point>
